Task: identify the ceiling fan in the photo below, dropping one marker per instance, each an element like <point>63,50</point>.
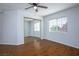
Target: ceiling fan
<point>36,6</point>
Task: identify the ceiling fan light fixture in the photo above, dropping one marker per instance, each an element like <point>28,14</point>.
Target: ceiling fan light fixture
<point>35,7</point>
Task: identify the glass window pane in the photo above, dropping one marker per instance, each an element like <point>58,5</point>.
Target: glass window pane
<point>37,26</point>
<point>59,24</point>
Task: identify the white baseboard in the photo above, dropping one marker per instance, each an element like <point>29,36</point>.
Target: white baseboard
<point>66,44</point>
<point>10,44</point>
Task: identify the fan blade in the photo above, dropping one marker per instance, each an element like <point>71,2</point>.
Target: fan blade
<point>30,3</point>
<point>42,6</point>
<point>29,7</point>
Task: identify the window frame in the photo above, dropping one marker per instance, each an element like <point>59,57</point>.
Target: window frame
<point>61,23</point>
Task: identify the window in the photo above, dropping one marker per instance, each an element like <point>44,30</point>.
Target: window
<point>37,26</point>
<point>59,24</point>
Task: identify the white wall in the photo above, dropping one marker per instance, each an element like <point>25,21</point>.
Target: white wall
<point>0,26</point>
<point>9,29</point>
<point>20,27</point>
<point>26,28</point>
<point>71,37</point>
<point>12,28</point>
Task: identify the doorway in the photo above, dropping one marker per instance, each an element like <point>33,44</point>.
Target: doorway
<point>32,30</point>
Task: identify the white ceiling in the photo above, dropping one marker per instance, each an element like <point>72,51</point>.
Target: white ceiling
<point>52,7</point>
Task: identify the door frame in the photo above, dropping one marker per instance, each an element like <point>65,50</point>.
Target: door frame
<point>40,24</point>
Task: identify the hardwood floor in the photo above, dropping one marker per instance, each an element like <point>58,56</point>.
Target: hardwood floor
<point>38,47</point>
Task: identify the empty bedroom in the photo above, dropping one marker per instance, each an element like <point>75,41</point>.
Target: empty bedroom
<point>39,29</point>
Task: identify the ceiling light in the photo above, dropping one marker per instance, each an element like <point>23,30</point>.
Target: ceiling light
<point>35,7</point>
